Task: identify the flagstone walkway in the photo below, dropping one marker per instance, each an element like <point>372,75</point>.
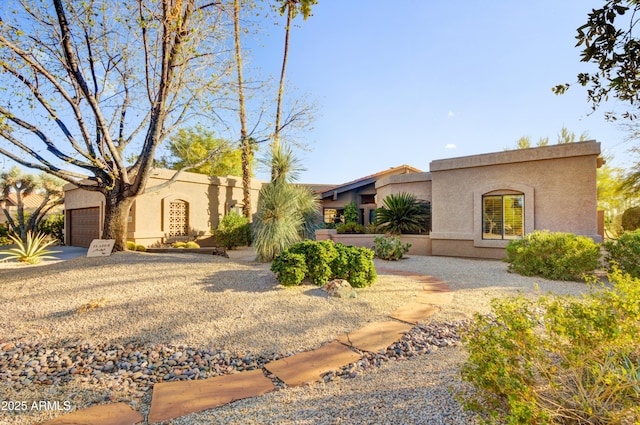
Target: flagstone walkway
<point>174,399</point>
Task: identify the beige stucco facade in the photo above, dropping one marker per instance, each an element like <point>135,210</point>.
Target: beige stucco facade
<point>557,185</point>
<point>203,201</point>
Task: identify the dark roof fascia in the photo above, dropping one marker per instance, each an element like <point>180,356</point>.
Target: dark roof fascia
<point>349,186</point>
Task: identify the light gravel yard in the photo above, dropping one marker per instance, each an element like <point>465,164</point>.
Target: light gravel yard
<point>237,305</point>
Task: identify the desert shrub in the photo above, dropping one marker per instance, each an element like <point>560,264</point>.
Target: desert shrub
<point>318,256</point>
<point>559,359</point>
<point>290,268</point>
<point>32,250</point>
<point>53,226</point>
<point>350,228</point>
<point>4,235</point>
<point>631,219</point>
<point>350,213</point>
<point>625,252</point>
<point>179,245</point>
<point>390,248</point>
<point>553,255</point>
<point>234,230</point>
<point>354,264</point>
<point>401,213</point>
<point>192,245</point>
<point>131,246</point>
<point>141,248</point>
<point>324,260</point>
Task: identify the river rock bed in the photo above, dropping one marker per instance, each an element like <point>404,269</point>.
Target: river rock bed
<point>132,369</point>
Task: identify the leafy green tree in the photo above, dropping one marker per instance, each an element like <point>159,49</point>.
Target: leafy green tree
<point>92,82</point>
<point>194,145</point>
<point>613,197</point>
<point>15,182</point>
<point>566,136</point>
<point>284,208</point>
<point>401,213</point>
<point>608,40</point>
<point>351,213</point>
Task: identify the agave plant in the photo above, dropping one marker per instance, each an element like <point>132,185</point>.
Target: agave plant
<point>401,213</point>
<point>32,250</point>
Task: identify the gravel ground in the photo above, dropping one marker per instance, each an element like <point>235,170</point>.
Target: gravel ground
<point>177,302</point>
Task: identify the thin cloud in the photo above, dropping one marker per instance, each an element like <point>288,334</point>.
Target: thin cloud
<point>450,146</point>
<point>451,114</point>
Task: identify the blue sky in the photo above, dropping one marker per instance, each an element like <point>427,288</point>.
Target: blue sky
<point>411,82</point>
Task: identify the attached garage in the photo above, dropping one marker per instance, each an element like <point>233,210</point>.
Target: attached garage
<point>83,226</point>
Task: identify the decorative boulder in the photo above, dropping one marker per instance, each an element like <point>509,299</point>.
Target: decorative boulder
<point>339,288</point>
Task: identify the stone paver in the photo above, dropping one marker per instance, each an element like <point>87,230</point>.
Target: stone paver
<point>174,399</point>
<point>310,365</point>
<point>375,336</point>
<point>104,414</point>
<point>414,312</point>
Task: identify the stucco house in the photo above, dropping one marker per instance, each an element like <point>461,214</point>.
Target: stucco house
<point>193,205</point>
<point>481,202</point>
<point>478,203</point>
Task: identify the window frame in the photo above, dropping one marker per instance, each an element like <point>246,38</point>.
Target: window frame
<point>502,221</point>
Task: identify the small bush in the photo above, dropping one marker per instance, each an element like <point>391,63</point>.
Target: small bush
<point>560,359</point>
<point>192,244</point>
<point>53,226</point>
<point>289,268</point>
<point>141,248</point>
<point>323,261</point>
<point>350,213</point>
<point>131,246</point>
<point>354,264</point>
<point>625,252</point>
<point>4,235</point>
<point>631,219</point>
<point>234,230</point>
<point>350,228</point>
<point>318,256</point>
<point>557,256</point>
<point>179,245</point>
<point>390,248</point>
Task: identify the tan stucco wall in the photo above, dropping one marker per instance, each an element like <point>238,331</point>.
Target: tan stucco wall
<point>418,184</point>
<point>559,183</point>
<point>209,199</point>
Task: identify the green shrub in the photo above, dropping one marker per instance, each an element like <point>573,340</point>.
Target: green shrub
<point>53,226</point>
<point>192,245</point>
<point>350,213</point>
<point>289,268</point>
<point>234,230</point>
<point>559,359</point>
<point>179,245</point>
<point>350,228</point>
<point>4,235</point>
<point>354,264</point>
<point>131,246</point>
<point>625,252</point>
<point>557,255</point>
<point>323,261</point>
<point>390,248</point>
<point>141,248</point>
<point>32,250</point>
<point>318,256</point>
<point>631,219</point>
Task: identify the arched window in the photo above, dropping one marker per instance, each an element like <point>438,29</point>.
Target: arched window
<point>502,216</point>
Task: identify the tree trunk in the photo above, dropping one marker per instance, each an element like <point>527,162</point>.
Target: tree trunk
<point>116,214</point>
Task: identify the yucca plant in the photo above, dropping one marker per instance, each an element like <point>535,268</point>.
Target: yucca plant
<point>401,213</point>
<point>32,250</point>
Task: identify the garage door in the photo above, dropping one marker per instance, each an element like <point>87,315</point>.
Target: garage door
<point>85,226</point>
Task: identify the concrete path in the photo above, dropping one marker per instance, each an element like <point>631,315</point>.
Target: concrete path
<point>174,399</point>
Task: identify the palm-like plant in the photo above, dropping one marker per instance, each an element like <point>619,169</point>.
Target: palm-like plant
<point>32,250</point>
<point>283,207</point>
<point>401,213</point>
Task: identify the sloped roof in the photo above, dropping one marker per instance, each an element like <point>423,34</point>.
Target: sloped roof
<point>30,201</point>
<point>363,181</point>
